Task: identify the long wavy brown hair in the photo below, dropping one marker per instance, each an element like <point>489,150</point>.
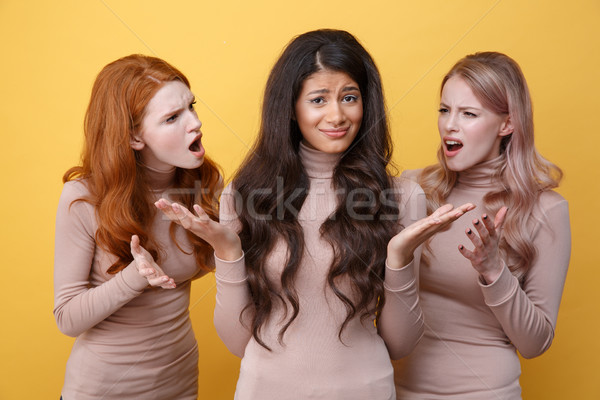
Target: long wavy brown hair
<point>113,172</point>
<point>359,244</point>
<point>523,174</point>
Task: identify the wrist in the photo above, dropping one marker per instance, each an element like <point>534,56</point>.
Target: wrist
<point>229,250</point>
<point>397,258</point>
<point>490,277</point>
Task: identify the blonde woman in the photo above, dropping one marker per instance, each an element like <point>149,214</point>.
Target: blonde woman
<point>493,288</point>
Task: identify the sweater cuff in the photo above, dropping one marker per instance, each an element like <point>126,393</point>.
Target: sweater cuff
<point>132,278</point>
<point>501,289</point>
<point>231,271</point>
<point>399,279</point>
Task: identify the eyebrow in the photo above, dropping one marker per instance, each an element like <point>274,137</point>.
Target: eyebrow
<point>324,91</point>
<point>178,109</point>
<point>442,104</point>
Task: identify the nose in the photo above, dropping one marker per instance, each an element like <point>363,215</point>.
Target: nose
<point>194,123</point>
<point>335,114</point>
<point>449,122</point>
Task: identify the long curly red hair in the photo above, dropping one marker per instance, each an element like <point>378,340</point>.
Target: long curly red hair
<point>113,172</point>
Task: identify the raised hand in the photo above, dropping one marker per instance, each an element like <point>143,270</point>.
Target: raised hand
<point>402,246</point>
<point>148,268</point>
<point>485,257</point>
<point>226,242</point>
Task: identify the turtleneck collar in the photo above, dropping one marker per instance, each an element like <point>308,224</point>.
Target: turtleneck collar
<point>158,179</point>
<point>317,163</point>
<point>481,176</point>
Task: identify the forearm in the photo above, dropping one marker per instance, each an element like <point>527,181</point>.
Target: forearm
<point>79,307</point>
<point>401,321</point>
<point>528,312</point>
<point>233,295</point>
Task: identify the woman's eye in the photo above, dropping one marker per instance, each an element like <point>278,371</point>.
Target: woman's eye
<point>192,105</point>
<point>318,100</point>
<point>350,98</point>
<point>172,118</point>
<point>469,114</point>
<point>442,110</point>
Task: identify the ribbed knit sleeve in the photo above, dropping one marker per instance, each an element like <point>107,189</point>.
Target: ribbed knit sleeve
<point>401,321</point>
<point>528,312</point>
<point>77,305</point>
<point>233,292</point>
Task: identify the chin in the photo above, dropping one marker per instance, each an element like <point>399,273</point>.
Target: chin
<point>456,166</point>
<point>192,165</point>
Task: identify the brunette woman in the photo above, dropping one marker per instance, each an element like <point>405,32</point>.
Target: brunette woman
<point>318,214</point>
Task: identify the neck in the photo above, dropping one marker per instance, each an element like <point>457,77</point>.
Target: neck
<point>159,179</point>
<point>483,175</point>
<point>317,163</point>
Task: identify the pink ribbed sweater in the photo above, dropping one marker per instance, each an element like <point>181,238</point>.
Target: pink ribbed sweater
<point>473,331</point>
<point>312,363</point>
<point>132,342</point>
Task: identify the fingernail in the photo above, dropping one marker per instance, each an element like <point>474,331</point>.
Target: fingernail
<point>469,232</point>
<point>484,216</point>
<point>476,222</point>
<point>461,247</point>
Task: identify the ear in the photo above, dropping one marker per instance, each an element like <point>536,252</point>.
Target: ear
<point>507,127</point>
<point>136,142</point>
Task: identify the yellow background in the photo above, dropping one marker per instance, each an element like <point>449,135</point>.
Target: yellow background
<point>52,51</point>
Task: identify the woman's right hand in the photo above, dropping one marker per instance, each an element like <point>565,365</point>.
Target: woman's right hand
<point>402,246</point>
<point>147,267</point>
<point>223,240</point>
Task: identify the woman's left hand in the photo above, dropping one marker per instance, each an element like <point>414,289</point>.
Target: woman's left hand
<point>485,257</point>
<point>223,240</point>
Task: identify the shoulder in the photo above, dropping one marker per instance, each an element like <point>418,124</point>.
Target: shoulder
<point>553,206</point>
<point>75,189</point>
<point>72,192</point>
<point>411,199</point>
<point>550,199</point>
<point>551,212</point>
<point>412,174</point>
<point>406,187</point>
<point>73,209</point>
<point>407,183</point>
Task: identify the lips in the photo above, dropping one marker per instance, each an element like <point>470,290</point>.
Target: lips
<point>335,133</point>
<point>452,146</point>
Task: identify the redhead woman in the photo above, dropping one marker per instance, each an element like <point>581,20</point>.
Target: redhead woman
<point>130,315</point>
<point>492,288</point>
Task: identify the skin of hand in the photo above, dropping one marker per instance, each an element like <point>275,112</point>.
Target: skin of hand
<point>485,257</point>
<point>402,246</point>
<point>147,267</point>
<point>224,241</point>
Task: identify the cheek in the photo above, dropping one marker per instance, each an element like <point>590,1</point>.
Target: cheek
<point>307,117</point>
<point>355,115</point>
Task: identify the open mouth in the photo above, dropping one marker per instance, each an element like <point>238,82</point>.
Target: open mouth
<point>453,145</point>
<point>196,144</point>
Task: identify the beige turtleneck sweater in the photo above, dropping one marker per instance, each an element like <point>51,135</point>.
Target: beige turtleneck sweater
<point>473,331</point>
<point>312,363</point>
<point>132,342</point>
